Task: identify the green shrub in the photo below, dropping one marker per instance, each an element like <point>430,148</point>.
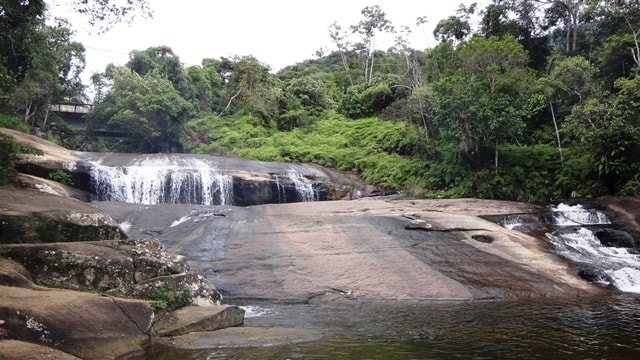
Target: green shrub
<point>10,122</point>
<point>61,176</point>
<point>8,148</point>
<point>167,297</point>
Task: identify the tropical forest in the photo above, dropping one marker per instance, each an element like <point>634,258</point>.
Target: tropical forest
<point>528,100</point>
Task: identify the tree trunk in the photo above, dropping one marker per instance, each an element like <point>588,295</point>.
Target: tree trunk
<point>496,156</point>
<point>555,125</point>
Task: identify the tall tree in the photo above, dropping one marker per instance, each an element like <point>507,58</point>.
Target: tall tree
<point>338,36</point>
<point>374,21</point>
<point>161,59</point>
<point>482,105</point>
<point>566,12</point>
<point>104,14</point>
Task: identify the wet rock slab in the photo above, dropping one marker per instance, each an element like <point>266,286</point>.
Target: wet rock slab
<point>198,319</point>
<point>241,337</point>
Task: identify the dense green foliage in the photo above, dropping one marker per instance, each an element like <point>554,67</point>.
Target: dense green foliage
<point>168,296</point>
<point>539,100</point>
<point>8,148</point>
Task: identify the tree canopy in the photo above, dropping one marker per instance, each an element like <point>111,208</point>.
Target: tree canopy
<point>522,99</point>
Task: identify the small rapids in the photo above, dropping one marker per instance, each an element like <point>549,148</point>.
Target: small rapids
<point>581,235</point>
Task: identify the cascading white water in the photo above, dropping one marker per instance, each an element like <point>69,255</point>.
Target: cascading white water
<point>572,215</point>
<point>157,180</point>
<point>511,222</point>
<point>575,240</point>
<point>581,245</point>
<point>303,186</point>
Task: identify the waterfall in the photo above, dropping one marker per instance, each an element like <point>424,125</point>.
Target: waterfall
<point>575,232</point>
<point>280,190</point>
<point>567,215</point>
<point>304,188</point>
<point>511,222</point>
<point>157,180</point>
<point>576,240</point>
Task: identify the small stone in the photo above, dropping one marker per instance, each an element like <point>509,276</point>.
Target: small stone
<point>417,224</point>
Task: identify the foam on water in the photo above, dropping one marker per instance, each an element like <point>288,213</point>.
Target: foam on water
<point>571,215</point>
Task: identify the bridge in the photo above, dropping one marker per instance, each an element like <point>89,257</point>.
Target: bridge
<point>73,115</point>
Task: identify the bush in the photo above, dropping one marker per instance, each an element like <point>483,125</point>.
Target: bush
<point>13,123</point>
<point>167,297</point>
<point>61,176</point>
<point>8,148</point>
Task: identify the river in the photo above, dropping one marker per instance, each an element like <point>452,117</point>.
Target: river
<point>245,256</point>
<point>594,328</point>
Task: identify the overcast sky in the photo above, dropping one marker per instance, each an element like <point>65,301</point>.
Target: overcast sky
<point>277,32</point>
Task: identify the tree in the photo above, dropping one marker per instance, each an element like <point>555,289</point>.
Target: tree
<point>482,105</point>
<point>45,67</point>
<point>205,87</point>
<point>566,12</point>
<point>453,29</point>
<point>618,31</point>
<point>456,29</point>
<point>147,109</point>
<point>250,87</point>
<point>374,21</point>
<point>608,128</point>
<point>161,59</point>
<point>338,36</point>
<point>104,14</point>
<point>303,101</point>
<point>19,21</point>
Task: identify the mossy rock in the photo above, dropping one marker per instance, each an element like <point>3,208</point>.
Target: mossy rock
<point>29,229</point>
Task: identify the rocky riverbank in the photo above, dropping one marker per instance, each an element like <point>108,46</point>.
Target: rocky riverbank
<point>73,284</point>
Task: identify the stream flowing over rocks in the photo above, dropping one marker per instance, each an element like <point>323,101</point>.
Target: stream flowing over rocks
<point>78,264</point>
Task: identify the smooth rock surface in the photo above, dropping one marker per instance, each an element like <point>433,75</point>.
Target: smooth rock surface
<point>20,350</point>
<point>359,250</point>
<point>241,337</point>
<point>197,319</point>
<point>85,325</point>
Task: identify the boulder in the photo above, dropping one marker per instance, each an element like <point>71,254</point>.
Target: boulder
<point>120,267</point>
<point>617,238</point>
<point>28,216</point>
<point>85,325</point>
<point>14,274</point>
<point>240,337</point>
<point>20,350</point>
<point>197,319</point>
<point>48,158</point>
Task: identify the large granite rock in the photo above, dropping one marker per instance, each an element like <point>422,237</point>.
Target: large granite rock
<point>85,325</point>
<point>30,216</point>
<point>198,319</point>
<point>133,268</point>
<point>20,350</point>
<point>53,158</point>
<point>366,249</point>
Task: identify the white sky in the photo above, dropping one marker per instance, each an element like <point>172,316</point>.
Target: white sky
<point>277,32</point>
